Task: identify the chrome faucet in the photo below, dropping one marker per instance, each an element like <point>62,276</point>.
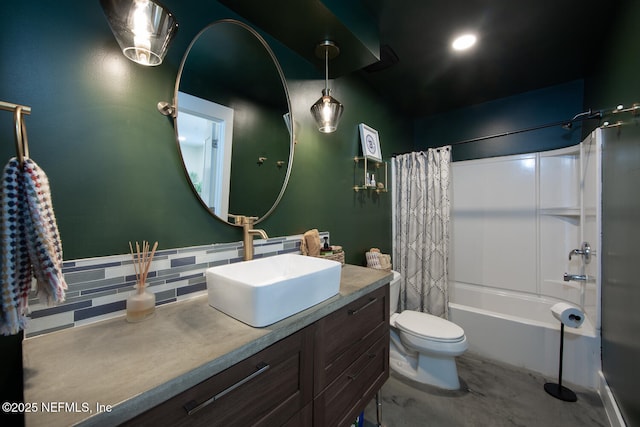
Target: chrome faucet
<point>248,232</point>
<point>585,252</point>
<point>579,277</point>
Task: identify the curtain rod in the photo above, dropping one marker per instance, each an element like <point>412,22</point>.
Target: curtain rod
<point>567,124</point>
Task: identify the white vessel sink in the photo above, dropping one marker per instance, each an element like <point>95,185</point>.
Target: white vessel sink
<point>263,291</point>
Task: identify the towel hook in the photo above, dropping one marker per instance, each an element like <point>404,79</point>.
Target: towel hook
<point>22,146</point>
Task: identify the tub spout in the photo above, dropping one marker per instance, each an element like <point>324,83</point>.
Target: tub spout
<point>580,277</point>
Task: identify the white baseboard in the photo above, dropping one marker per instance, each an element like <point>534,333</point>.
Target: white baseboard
<point>610,405</point>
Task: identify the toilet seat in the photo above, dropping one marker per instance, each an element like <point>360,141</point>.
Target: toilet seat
<point>428,327</point>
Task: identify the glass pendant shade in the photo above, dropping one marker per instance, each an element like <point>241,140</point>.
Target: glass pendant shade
<point>143,29</point>
<point>327,112</point>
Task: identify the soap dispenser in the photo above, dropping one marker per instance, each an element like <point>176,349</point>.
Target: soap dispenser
<point>326,249</point>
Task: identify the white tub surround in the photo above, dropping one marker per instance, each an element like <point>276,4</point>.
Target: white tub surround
<point>515,220</point>
<point>520,330</point>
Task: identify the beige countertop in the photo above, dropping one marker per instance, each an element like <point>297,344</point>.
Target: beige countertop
<point>110,371</point>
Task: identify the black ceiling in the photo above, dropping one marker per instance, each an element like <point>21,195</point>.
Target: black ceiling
<point>523,45</point>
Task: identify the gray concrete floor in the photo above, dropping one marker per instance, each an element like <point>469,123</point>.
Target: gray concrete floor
<point>492,394</point>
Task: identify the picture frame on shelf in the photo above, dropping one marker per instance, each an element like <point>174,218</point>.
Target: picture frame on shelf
<point>370,142</point>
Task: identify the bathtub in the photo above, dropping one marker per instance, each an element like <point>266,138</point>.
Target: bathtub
<point>519,329</point>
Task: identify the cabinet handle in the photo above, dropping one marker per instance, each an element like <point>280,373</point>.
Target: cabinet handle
<point>192,406</point>
<point>371,301</point>
<point>354,376</point>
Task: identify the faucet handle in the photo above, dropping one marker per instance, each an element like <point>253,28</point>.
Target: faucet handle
<point>249,220</point>
<point>237,219</point>
<point>584,251</point>
<point>242,219</point>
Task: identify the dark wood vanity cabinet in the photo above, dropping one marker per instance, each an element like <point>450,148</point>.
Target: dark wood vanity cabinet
<point>270,388</point>
<point>322,375</point>
<point>351,360</point>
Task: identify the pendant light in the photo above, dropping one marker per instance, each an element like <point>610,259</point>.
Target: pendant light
<point>143,28</point>
<point>327,110</point>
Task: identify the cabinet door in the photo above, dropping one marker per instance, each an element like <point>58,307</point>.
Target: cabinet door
<point>266,389</point>
<point>343,336</point>
<point>341,402</point>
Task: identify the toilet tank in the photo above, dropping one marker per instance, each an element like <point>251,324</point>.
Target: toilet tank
<point>394,292</point>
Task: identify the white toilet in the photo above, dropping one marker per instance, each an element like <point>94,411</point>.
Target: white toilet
<point>423,347</point>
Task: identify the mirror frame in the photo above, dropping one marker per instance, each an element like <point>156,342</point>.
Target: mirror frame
<point>174,113</point>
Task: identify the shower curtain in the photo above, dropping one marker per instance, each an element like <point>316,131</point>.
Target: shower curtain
<point>421,229</point>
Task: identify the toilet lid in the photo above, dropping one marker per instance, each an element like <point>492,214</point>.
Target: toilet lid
<point>427,326</point>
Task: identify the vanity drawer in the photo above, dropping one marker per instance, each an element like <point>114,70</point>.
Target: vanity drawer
<point>341,402</point>
<point>343,336</point>
<point>269,388</point>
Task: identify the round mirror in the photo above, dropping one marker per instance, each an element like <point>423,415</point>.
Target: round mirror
<point>233,121</point>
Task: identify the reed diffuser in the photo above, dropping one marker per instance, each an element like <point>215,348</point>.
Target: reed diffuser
<point>142,303</point>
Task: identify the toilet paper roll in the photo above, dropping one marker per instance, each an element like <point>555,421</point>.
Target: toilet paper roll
<point>568,314</point>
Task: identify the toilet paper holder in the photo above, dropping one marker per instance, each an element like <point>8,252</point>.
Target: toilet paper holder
<point>573,317</point>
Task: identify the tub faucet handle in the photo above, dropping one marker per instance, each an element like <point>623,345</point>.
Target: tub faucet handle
<point>584,251</point>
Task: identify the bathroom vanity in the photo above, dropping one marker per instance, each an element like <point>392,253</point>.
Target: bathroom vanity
<point>193,365</point>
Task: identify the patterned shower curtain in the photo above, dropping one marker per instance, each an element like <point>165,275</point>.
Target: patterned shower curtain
<point>422,214</point>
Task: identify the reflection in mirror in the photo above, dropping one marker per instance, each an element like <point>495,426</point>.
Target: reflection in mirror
<point>206,138</point>
<point>231,98</point>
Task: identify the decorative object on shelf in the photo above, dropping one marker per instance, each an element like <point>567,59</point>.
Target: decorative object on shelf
<point>327,110</point>
<point>375,175</point>
<point>142,304</point>
<point>143,28</point>
<point>370,143</point>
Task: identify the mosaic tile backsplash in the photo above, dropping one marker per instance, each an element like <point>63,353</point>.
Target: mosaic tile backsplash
<point>99,287</point>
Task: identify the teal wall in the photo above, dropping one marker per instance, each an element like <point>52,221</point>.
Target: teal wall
<point>523,111</point>
<point>112,160</point>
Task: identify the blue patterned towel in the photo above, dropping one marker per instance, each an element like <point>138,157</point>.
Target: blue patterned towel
<point>15,275</point>
<point>31,244</point>
<point>44,245</point>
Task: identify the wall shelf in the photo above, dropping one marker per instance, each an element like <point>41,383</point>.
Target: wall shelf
<point>562,211</point>
<point>567,211</point>
<point>361,180</point>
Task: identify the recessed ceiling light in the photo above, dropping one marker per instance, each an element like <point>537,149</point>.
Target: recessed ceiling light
<point>464,42</point>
